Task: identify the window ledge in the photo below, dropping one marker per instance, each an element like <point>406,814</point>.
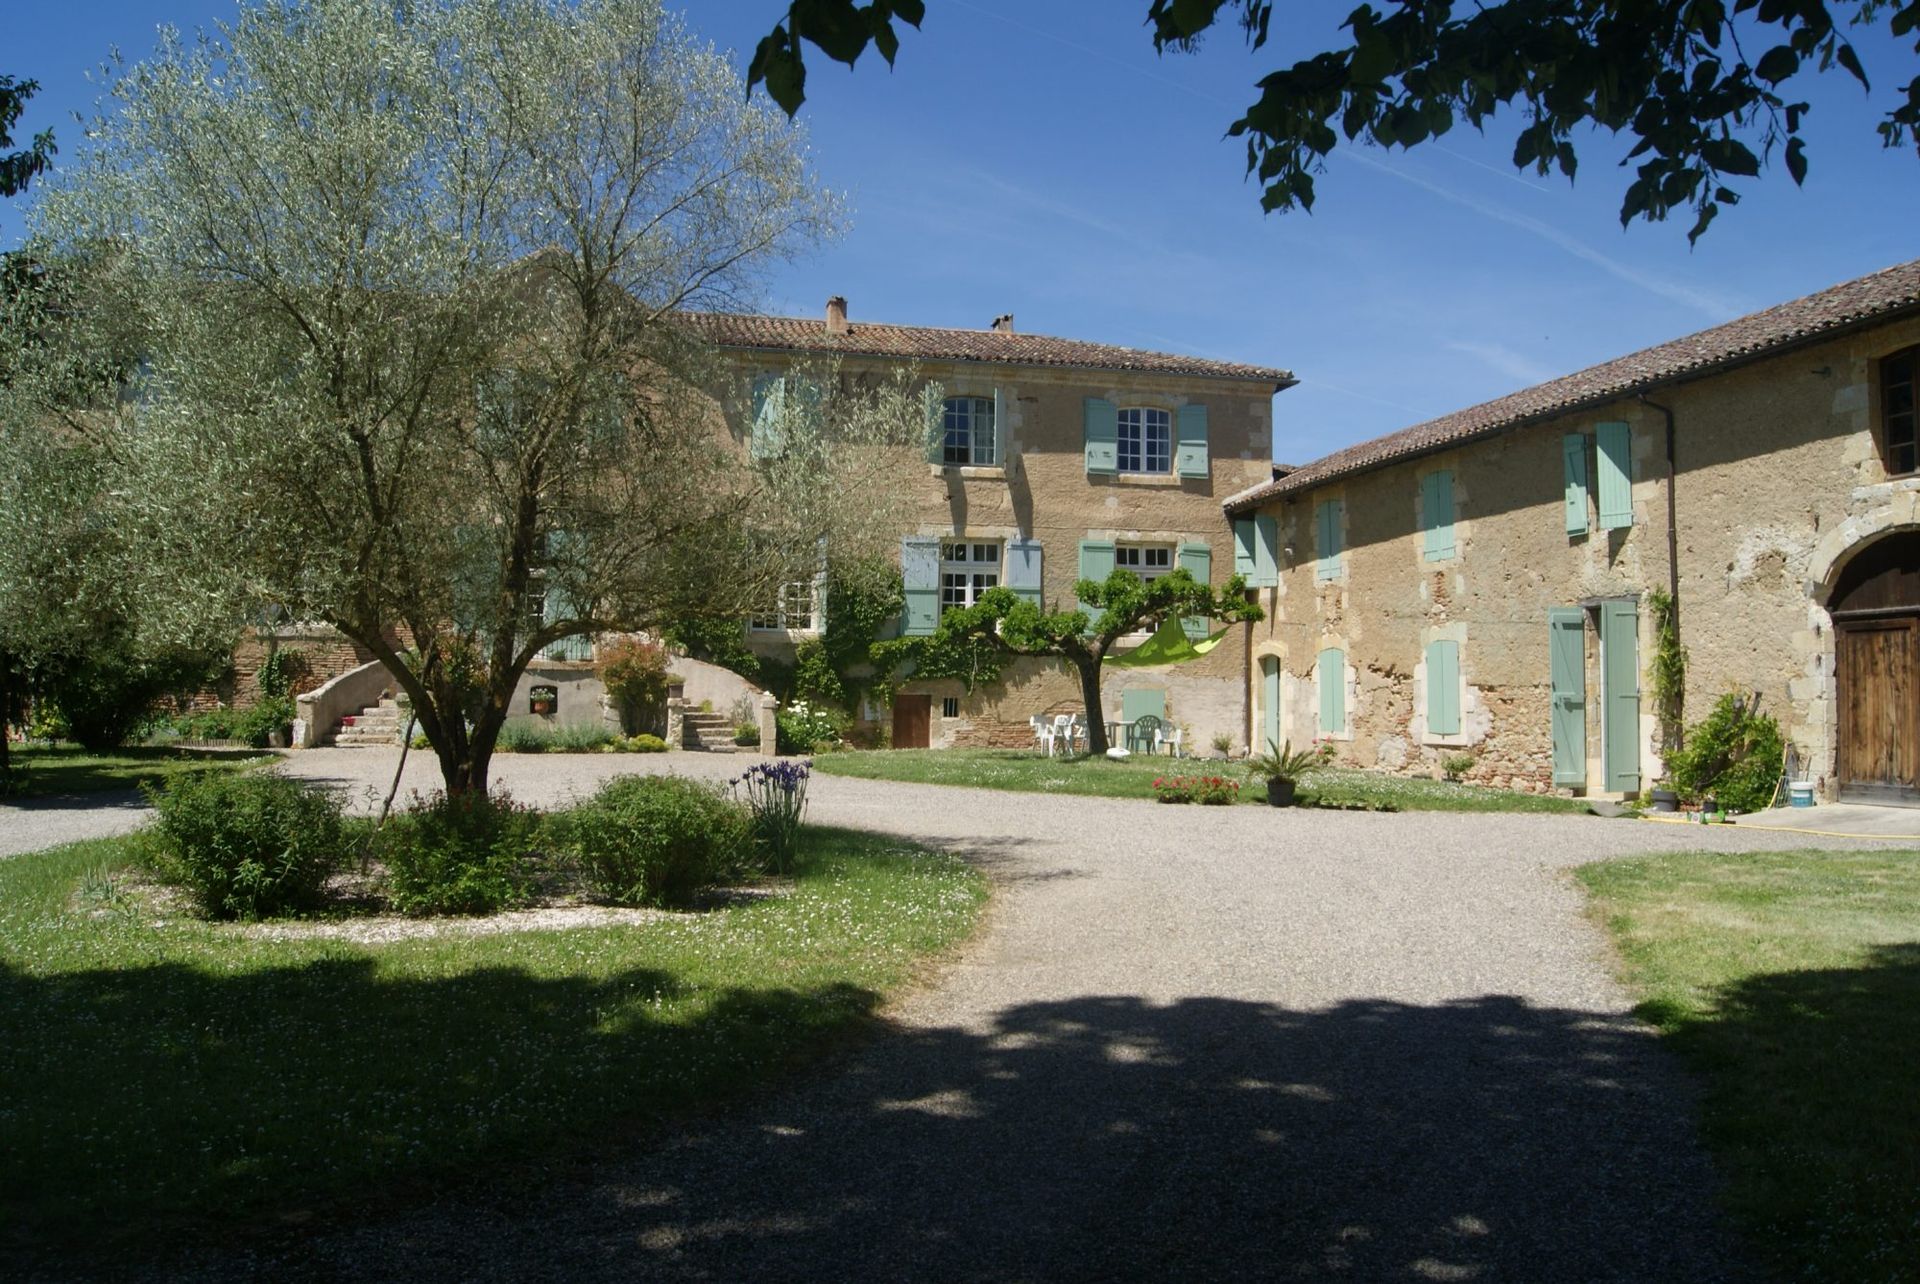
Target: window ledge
<point>970,472</point>
<point>790,635</point>
<point>1169,480</point>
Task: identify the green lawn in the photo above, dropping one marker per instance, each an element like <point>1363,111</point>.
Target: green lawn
<point>1028,772</point>
<point>1790,982</point>
<point>177,1072</point>
<point>42,772</point>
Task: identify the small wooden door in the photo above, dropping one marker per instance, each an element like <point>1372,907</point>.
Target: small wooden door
<point>1620,693</point>
<point>1567,666</point>
<point>1878,663</point>
<point>913,722</point>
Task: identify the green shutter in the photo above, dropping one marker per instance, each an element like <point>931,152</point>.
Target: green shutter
<point>935,405</point>
<point>1269,704</point>
<point>1574,448</point>
<point>1102,433</point>
<point>1613,446</point>
<point>1096,563</point>
<point>1443,688</point>
<point>1141,702</point>
<point>1192,454</point>
<point>920,573</point>
<point>1567,661</point>
<point>1024,569</point>
<point>1243,554</point>
<point>1620,693</point>
<point>1266,552</point>
<point>1197,561</point>
<point>1330,676</point>
<point>1436,514</point>
<point>1326,521</point>
<point>558,605</point>
<point>769,408</point>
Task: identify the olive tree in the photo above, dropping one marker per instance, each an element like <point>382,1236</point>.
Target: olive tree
<point>408,281</point>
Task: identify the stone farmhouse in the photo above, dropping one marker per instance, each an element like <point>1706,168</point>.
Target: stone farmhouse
<point>1484,583</point>
<point>1052,460</point>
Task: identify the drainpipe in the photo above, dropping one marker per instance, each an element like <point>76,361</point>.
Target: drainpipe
<point>1673,520</point>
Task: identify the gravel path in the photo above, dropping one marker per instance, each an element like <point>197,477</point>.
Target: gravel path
<point>1203,1043</point>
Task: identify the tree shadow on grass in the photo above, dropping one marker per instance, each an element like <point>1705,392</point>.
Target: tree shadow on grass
<point>1812,1105</point>
<point>1112,1138</point>
<point>145,1101</point>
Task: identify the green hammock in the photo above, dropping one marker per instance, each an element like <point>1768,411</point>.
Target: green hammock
<point>1170,645</point>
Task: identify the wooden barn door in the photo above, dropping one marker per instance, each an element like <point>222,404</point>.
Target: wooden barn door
<point>913,722</point>
<point>1878,664</point>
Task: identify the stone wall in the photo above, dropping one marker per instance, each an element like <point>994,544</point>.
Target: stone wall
<point>1779,481</point>
<point>327,654</point>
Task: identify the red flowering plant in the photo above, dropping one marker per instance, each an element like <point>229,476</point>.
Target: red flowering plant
<point>1208,791</point>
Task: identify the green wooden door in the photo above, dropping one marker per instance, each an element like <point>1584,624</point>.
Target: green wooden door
<point>1620,692</point>
<point>1567,642</point>
<point>1269,703</point>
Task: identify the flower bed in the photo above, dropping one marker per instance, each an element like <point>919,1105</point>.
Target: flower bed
<point>1208,791</point>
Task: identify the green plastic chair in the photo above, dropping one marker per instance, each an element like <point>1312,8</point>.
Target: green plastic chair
<point>1143,734</point>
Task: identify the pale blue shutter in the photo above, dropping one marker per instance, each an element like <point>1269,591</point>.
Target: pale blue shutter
<point>1142,702</point>
<point>1326,516</point>
<point>1096,563</point>
<point>1024,569</point>
<point>1197,561</point>
<point>1243,555</point>
<point>1443,688</point>
<point>1266,552</point>
<point>557,605</point>
<point>1567,664</point>
<point>934,406</point>
<point>1573,448</point>
<point>769,407</point>
<point>1269,705</point>
<point>920,574</point>
<point>1330,676</point>
<point>1436,514</point>
<point>1102,433</point>
<point>1613,447</point>
<point>1192,455</point>
<point>1620,693</point>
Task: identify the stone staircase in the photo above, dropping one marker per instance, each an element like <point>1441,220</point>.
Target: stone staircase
<point>712,732</point>
<point>377,724</point>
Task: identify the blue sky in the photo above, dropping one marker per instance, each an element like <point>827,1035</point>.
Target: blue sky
<point>1040,159</point>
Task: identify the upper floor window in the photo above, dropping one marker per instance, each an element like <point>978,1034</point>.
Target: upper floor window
<point>1144,443</point>
<point>1899,375</point>
<point>797,607</point>
<point>970,437</point>
<point>967,569</point>
<point>1148,561</point>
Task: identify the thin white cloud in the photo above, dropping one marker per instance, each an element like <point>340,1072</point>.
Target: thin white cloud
<point>1515,365</point>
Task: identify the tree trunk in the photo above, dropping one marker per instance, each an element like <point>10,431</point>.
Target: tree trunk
<point>1089,668</point>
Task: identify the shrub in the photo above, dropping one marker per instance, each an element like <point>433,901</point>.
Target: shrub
<point>262,719</point>
<point>109,691</point>
<point>642,743</point>
<point>245,846</point>
<point>804,728</point>
<point>1734,753</point>
<point>777,799</point>
<point>1222,743</point>
<point>656,840</point>
<point>746,733</point>
<point>459,854</point>
<point>1456,765</point>
<point>533,737</point>
<point>1208,791</point>
<point>217,723</point>
<point>635,675</point>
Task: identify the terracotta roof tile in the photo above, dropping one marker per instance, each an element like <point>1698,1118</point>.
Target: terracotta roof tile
<point>930,343</point>
<point>1884,294</point>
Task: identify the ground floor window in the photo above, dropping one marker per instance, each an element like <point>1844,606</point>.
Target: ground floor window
<point>967,569</point>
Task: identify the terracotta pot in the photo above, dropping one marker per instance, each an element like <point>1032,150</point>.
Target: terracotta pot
<point>1279,792</point>
<point>543,706</point>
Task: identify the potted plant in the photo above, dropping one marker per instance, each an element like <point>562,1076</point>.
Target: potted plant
<point>1282,768</point>
<point>542,698</point>
<point>1663,797</point>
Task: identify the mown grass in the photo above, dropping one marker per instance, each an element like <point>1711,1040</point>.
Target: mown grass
<point>1790,982</point>
<point>169,1073</point>
<point>1027,772</point>
<point>40,771</point>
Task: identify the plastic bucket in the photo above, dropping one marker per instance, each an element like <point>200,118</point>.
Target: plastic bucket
<point>1800,793</point>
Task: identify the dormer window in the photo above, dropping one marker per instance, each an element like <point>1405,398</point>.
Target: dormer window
<point>1899,449</point>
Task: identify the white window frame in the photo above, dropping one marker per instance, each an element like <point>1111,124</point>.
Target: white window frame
<point>968,568</point>
<point>1143,440</point>
<point>971,436</point>
<point>798,607</point>
<point>1147,560</point>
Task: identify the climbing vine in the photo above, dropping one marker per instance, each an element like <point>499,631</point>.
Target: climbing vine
<point>1669,668</point>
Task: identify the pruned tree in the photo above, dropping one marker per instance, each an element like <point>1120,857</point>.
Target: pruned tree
<point>1700,89</point>
<point>1121,605</point>
<point>409,281</point>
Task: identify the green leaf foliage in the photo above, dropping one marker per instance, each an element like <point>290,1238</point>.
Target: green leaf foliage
<point>245,846</point>
<point>1736,754</point>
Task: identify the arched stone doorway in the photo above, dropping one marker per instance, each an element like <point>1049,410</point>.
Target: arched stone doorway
<point>1875,605</point>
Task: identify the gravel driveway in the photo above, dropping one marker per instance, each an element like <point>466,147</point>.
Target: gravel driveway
<point>1191,1043</point>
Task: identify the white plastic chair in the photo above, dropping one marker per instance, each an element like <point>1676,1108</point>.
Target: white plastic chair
<point>1170,737</point>
<point>1065,727</point>
<point>1042,733</point>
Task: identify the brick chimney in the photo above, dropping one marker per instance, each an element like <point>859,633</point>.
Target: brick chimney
<point>836,315</point>
<point>1003,324</point>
